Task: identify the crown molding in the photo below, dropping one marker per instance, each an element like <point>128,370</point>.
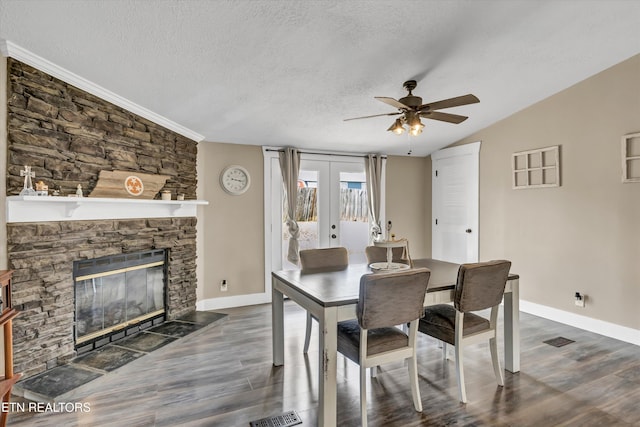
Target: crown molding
<point>14,51</point>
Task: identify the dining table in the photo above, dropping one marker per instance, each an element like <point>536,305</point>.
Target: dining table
<point>332,297</point>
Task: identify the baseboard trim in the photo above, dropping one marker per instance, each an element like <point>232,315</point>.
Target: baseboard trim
<point>233,301</point>
<point>601,327</point>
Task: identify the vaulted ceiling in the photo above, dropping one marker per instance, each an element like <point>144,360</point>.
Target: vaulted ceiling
<point>275,72</point>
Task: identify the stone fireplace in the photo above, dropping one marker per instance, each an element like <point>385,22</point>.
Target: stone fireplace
<point>68,136</point>
<point>43,255</point>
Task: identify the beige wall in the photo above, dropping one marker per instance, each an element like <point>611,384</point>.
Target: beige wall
<point>232,227</point>
<point>408,201</point>
<point>584,235</point>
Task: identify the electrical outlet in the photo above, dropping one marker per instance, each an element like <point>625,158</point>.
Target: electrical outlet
<point>223,286</point>
<point>580,299</point>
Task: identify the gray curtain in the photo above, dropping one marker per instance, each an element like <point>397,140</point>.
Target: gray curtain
<point>373,170</point>
<point>290,166</point>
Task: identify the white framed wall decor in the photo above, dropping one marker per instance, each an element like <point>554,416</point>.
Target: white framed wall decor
<point>631,157</point>
<point>536,168</point>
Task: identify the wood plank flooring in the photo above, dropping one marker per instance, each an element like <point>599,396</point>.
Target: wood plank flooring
<point>222,375</point>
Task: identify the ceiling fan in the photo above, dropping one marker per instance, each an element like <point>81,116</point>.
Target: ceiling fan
<point>411,110</point>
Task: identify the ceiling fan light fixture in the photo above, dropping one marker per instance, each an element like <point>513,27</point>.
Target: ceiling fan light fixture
<point>414,121</point>
<point>415,125</point>
<point>415,131</point>
<point>411,109</point>
<point>397,127</point>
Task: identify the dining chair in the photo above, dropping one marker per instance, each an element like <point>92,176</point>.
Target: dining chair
<point>385,300</point>
<point>479,286</point>
<point>316,261</point>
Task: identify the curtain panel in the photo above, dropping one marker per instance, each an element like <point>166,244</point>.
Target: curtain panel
<point>373,171</point>
<point>290,166</point>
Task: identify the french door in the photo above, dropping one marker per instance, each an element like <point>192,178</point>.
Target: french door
<point>331,209</point>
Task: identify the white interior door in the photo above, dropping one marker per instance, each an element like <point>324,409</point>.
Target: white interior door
<point>455,204</point>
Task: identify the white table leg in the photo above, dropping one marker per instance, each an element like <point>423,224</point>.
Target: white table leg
<point>327,395</point>
<point>512,328</point>
<point>277,324</point>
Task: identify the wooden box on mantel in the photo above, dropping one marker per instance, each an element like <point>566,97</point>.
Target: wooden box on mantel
<point>128,185</point>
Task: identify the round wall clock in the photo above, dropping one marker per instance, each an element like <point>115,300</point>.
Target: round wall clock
<point>235,180</point>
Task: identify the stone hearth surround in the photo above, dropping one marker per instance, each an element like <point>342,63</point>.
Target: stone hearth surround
<point>68,136</point>
<point>42,255</point>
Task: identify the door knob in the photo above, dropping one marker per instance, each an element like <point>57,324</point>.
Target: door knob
<point>333,226</point>
<point>333,236</point>
<point>468,230</point>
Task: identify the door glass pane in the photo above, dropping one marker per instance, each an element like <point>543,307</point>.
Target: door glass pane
<point>306,216</point>
<point>354,215</point>
<point>155,286</point>
<point>331,209</point>
<point>136,299</point>
<point>114,295</point>
<point>89,307</point>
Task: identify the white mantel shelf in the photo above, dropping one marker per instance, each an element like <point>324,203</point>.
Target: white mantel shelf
<point>56,208</point>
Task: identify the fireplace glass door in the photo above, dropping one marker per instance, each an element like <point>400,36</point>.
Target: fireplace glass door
<point>113,295</point>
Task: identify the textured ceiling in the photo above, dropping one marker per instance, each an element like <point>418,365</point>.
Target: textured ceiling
<point>288,72</point>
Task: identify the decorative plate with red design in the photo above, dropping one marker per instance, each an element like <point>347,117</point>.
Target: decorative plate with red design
<point>133,185</point>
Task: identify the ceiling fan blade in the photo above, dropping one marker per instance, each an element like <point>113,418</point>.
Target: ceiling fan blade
<point>444,117</point>
<point>375,115</point>
<point>392,102</point>
<point>448,103</point>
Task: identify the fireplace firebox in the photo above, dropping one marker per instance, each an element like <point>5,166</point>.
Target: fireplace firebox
<point>117,296</point>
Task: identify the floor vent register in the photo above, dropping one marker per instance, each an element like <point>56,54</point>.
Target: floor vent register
<point>287,419</point>
<point>558,341</point>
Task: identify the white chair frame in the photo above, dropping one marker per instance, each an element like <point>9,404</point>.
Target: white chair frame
<point>462,341</point>
<point>373,361</point>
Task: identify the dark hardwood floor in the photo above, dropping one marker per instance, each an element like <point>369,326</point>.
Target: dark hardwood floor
<point>222,375</point>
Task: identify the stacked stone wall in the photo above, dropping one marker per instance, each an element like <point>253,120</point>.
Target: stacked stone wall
<point>68,136</point>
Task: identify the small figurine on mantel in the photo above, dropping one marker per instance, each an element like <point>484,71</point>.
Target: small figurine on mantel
<point>42,189</point>
<point>79,190</point>
<point>27,189</point>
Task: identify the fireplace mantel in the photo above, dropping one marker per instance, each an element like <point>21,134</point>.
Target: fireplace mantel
<point>52,208</point>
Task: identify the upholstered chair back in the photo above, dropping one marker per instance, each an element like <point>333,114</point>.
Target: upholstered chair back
<point>480,285</point>
<point>325,259</point>
<point>388,299</point>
